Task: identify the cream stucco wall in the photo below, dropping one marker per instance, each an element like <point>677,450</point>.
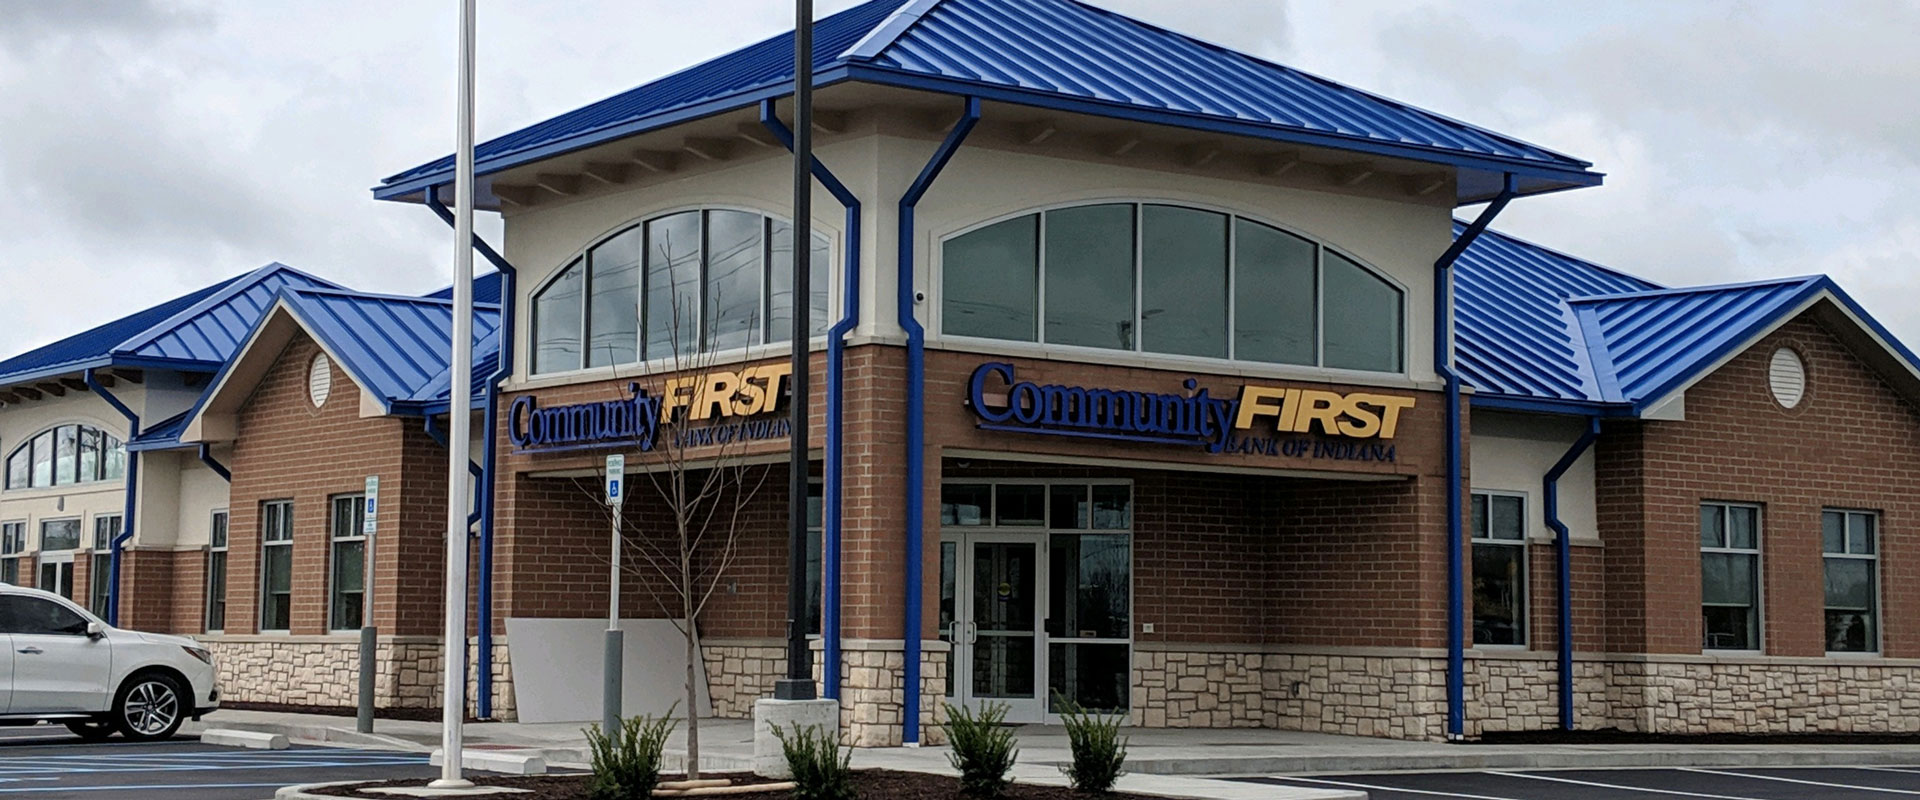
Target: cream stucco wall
<point>1511,453</point>
<point>991,179</point>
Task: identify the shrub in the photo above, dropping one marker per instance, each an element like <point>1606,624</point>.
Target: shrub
<point>983,749</point>
<point>1098,749</point>
<point>818,763</point>
<point>626,764</point>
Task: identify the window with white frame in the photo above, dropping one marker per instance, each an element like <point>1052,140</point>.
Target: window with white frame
<point>13,542</point>
<point>1170,280</point>
<point>59,534</point>
<point>1499,569</point>
<point>1849,544</point>
<point>66,455</point>
<point>217,573</point>
<point>276,565</point>
<point>1730,576</point>
<point>106,527</point>
<point>702,280</point>
<point>347,590</point>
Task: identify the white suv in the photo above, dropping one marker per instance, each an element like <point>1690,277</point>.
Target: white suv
<point>62,664</point>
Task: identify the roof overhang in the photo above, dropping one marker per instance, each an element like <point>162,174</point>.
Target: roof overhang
<point>1480,176</point>
<point>215,417</point>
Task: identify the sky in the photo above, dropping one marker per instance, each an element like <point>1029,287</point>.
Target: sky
<point>151,147</point>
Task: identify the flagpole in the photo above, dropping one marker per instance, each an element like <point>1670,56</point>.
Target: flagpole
<point>798,683</point>
<point>459,424</point>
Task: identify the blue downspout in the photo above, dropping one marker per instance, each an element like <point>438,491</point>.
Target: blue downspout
<point>439,437</point>
<point>206,457</point>
<point>1564,545</point>
<point>836,348</point>
<point>1456,532</point>
<point>133,485</point>
<point>509,292</point>
<point>916,411</point>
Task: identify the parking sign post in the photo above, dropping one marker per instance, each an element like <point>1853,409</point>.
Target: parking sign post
<point>611,675</point>
<point>369,634</point>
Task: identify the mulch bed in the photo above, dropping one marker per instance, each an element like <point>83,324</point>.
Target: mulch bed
<point>1617,736</point>
<point>869,784</point>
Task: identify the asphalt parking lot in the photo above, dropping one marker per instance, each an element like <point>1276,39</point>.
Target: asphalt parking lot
<point>1781,783</point>
<point>46,762</point>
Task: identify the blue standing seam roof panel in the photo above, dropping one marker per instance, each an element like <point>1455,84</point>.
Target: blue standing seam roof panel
<point>396,348</point>
<point>1041,49</point>
<point>163,434</point>
<point>98,343</point>
<point>486,290</point>
<point>1659,340</point>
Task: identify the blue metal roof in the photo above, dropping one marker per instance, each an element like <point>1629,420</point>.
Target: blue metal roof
<point>1059,54</point>
<point>1514,333</point>
<point>162,435</point>
<point>486,289</point>
<point>396,348</point>
<point>196,331</point>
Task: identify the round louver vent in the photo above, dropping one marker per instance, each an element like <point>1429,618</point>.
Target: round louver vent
<point>1787,376</point>
<point>320,380</point>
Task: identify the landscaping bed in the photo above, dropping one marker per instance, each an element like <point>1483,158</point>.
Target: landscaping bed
<point>868,785</point>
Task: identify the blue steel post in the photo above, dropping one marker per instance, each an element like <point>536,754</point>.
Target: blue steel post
<point>836,348</point>
<point>133,485</point>
<point>916,413</point>
<point>509,289</point>
<point>1443,364</point>
<point>1563,545</point>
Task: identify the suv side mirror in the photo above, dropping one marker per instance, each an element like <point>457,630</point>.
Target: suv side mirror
<point>95,630</point>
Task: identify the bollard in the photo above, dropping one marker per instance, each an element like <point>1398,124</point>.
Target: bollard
<point>610,684</point>
<point>369,652</point>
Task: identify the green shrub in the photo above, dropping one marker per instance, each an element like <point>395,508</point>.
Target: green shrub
<point>1098,749</point>
<point>626,765</point>
<point>818,763</point>
<point>983,749</point>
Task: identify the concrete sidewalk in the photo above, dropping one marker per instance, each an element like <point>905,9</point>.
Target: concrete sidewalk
<point>1155,756</point>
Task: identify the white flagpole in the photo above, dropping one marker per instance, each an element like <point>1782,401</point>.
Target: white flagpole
<point>459,423</point>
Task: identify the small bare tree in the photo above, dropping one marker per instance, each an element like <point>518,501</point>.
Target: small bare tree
<point>706,490</point>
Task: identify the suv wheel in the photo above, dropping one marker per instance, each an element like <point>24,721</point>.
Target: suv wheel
<point>92,730</point>
<point>149,707</point>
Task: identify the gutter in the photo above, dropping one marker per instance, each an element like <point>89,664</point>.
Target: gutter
<point>439,437</point>
<point>1564,546</point>
<point>1456,530</point>
<point>916,416</point>
<point>490,460</point>
<point>835,489</point>
<point>206,457</point>
<point>133,485</point>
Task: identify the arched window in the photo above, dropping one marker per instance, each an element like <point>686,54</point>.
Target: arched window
<point>65,455</point>
<point>706,280</point>
<point>1170,280</point>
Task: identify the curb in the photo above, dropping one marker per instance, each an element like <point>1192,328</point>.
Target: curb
<point>303,791</point>
<point>1593,759</point>
<point>325,734</point>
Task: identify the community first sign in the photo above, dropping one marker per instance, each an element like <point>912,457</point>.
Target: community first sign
<point>1259,420</point>
<point>717,397</point>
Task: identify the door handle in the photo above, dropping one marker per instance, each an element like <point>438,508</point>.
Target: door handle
<point>31,650</point>
<point>973,633</point>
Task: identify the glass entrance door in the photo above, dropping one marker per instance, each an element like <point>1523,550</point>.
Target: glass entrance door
<point>1036,595</point>
<point>57,577</point>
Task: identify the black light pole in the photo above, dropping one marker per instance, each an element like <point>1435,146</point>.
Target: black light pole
<point>798,685</point>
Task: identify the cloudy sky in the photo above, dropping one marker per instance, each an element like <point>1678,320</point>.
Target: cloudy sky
<point>154,146</point>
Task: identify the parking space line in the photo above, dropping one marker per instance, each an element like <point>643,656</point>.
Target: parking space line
<point>1347,785</point>
<point>147,788</point>
<point>1801,781</point>
<point>1532,776</point>
<point>1906,770</point>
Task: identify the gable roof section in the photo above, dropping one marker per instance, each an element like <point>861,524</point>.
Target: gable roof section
<point>196,331</point>
<point>486,290</point>
<point>1514,333</point>
<point>396,348</point>
<point>1061,54</point>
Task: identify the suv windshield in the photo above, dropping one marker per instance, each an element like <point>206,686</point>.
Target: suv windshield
<point>34,615</point>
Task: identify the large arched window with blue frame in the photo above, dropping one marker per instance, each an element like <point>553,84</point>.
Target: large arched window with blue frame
<point>1172,280</point>
<point>65,455</point>
<point>701,280</point>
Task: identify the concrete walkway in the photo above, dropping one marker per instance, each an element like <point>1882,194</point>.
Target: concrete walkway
<point>1158,759</point>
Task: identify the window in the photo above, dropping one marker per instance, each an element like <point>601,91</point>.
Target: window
<point>217,574</point>
<point>106,527</point>
<point>59,534</point>
<point>38,616</point>
<point>690,281</point>
<point>66,455</point>
<point>1730,576</point>
<point>1170,280</point>
<point>1499,569</point>
<point>348,588</point>
<point>13,542</point>
<point>276,565</point>
<point>1848,540</point>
